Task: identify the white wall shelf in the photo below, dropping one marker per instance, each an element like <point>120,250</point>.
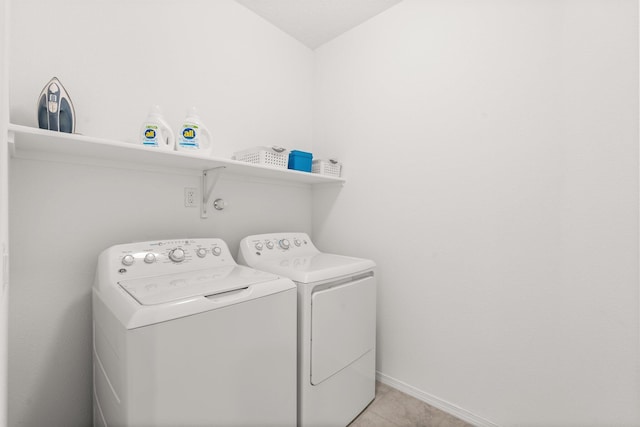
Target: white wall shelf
<point>33,143</point>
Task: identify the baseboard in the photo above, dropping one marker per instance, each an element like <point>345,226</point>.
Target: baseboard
<point>450,408</point>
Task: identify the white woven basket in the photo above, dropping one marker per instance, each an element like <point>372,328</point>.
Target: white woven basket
<point>327,167</point>
<point>276,157</point>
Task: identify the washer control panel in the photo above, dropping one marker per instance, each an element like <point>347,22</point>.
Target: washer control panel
<point>169,256</point>
<point>276,245</point>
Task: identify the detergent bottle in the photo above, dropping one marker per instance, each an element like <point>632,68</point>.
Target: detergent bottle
<point>155,131</point>
<point>194,137</point>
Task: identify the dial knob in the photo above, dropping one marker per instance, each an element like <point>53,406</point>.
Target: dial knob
<point>201,252</point>
<point>127,260</point>
<point>270,244</point>
<point>216,251</point>
<point>297,242</point>
<point>149,258</point>
<point>259,246</point>
<point>176,255</point>
<point>284,244</point>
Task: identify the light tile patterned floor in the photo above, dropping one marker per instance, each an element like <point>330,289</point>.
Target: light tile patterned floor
<point>393,408</point>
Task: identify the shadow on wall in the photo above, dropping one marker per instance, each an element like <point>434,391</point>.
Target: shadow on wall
<point>324,200</point>
<point>72,340</point>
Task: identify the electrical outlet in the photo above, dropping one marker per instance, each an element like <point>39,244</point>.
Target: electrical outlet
<point>190,197</point>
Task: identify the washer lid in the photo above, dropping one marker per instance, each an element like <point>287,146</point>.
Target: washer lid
<point>315,268</point>
<point>174,287</point>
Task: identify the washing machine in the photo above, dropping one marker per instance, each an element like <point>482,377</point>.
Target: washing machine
<point>336,324</point>
<point>183,336</point>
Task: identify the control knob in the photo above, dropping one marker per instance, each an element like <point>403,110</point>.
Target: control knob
<point>284,244</point>
<point>297,242</point>
<point>127,260</point>
<point>259,246</point>
<point>176,255</point>
<point>149,258</point>
<point>216,251</point>
<point>201,252</point>
<point>269,244</point>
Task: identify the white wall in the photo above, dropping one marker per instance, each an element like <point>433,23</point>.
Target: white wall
<point>249,80</point>
<point>491,153</point>
<point>252,84</point>
<point>4,210</point>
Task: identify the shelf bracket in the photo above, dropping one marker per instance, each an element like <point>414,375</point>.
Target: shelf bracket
<point>210,178</point>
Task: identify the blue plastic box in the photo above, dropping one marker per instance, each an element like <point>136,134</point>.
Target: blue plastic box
<point>300,160</point>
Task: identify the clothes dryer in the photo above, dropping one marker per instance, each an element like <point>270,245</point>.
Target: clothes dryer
<point>336,324</point>
<point>183,336</point>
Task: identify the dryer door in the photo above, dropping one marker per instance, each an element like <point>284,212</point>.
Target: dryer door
<point>343,326</point>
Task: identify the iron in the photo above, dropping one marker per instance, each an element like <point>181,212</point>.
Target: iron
<point>55,109</point>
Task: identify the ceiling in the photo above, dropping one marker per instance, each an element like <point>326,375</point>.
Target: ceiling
<point>315,22</point>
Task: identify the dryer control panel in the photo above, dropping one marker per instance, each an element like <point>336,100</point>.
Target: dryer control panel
<point>293,255</point>
<point>278,245</point>
<point>168,256</point>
